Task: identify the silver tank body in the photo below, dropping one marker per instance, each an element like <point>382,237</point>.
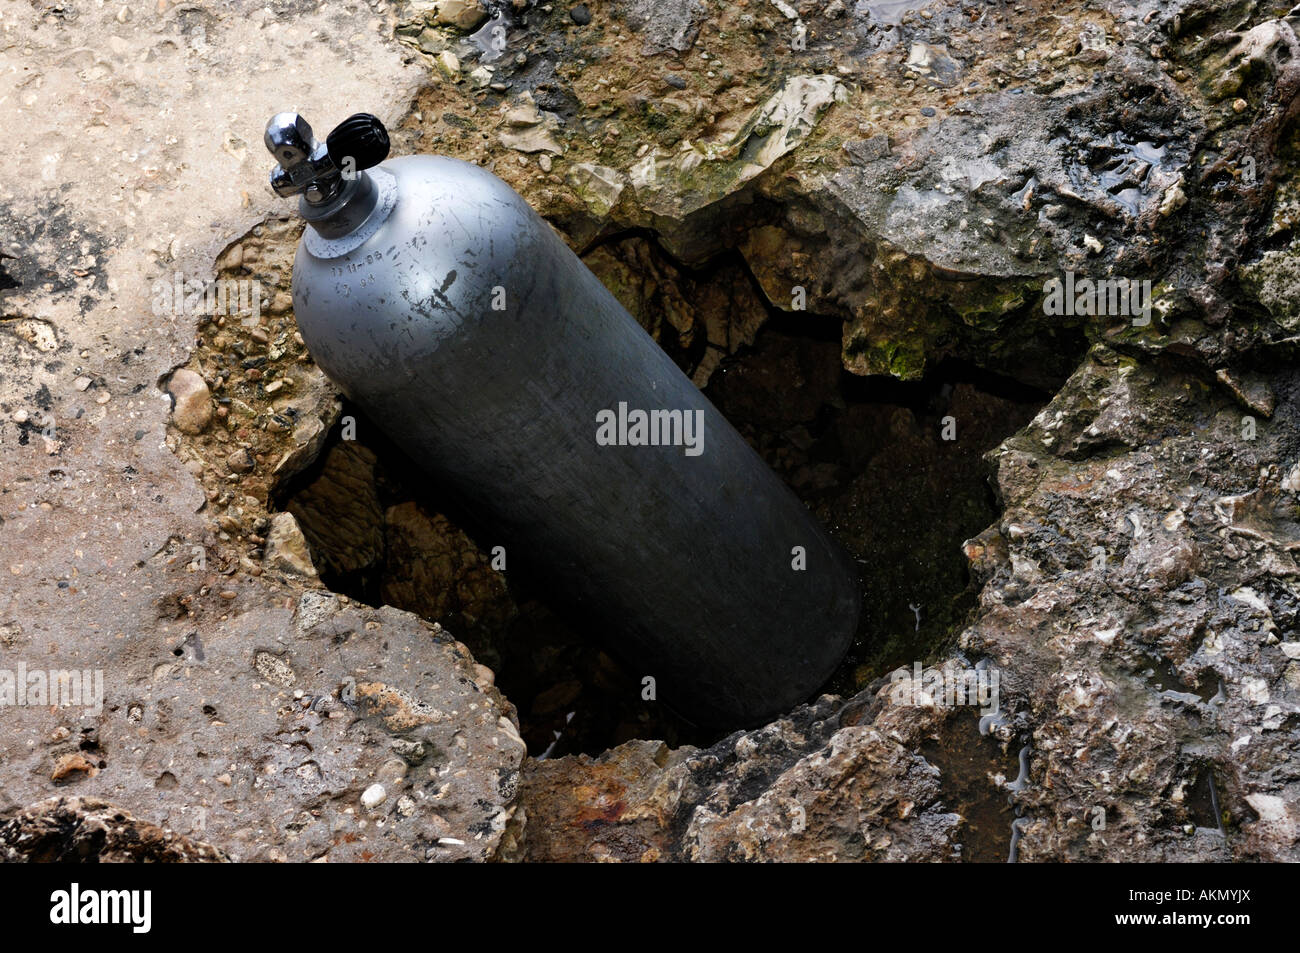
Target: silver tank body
<point>684,564</point>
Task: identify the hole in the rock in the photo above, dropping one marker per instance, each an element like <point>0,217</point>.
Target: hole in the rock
<point>893,469</point>
<point>1203,805</point>
<point>1164,676</point>
<point>967,762</point>
<point>868,455</point>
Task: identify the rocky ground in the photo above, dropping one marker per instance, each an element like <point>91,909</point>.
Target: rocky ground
<point>839,219</point>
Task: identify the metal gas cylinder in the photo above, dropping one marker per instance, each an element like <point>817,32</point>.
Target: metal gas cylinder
<point>439,302</point>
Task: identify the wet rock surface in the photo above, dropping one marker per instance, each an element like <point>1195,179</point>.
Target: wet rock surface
<point>810,787</point>
<point>1142,622</point>
<point>739,175</point>
<point>82,830</point>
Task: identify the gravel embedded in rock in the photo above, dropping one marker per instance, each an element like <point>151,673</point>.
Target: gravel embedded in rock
<point>373,796</point>
<point>465,15</point>
<point>240,461</point>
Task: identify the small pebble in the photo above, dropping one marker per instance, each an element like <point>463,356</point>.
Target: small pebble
<point>373,796</point>
<point>675,81</point>
<point>192,403</point>
<point>241,461</point>
<point>927,110</point>
<point>580,14</point>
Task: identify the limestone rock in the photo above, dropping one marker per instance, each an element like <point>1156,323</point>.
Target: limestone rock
<point>448,64</point>
<point>597,185</point>
<point>697,321</point>
<point>191,736</point>
<point>665,24</point>
<point>191,401</point>
<point>287,549</point>
<point>463,14</point>
<point>89,830</point>
<point>528,128</point>
<point>812,786</point>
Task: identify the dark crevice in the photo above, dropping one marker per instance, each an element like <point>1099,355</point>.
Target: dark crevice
<point>967,762</point>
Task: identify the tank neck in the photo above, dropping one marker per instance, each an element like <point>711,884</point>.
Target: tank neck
<point>350,221</point>
<point>346,212</point>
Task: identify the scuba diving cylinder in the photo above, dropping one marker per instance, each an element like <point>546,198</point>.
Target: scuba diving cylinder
<point>450,312</point>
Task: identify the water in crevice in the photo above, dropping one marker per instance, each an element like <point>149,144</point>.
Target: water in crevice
<point>968,762</point>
